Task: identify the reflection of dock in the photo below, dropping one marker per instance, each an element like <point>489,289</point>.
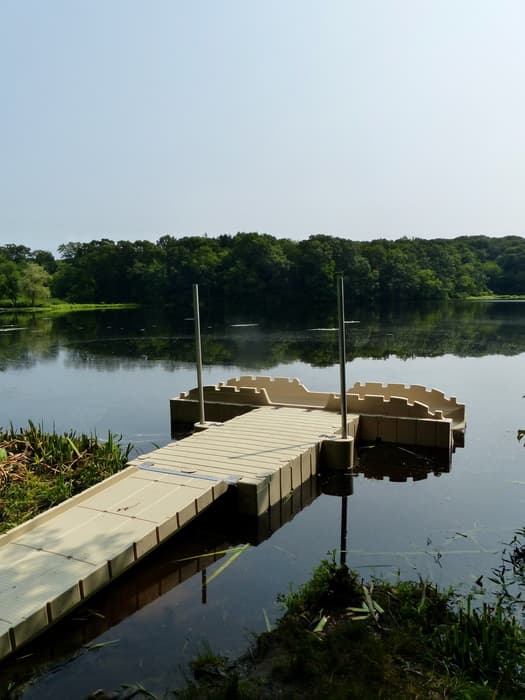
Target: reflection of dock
<point>397,463</point>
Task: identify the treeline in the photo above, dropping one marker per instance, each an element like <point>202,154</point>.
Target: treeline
<point>251,271</point>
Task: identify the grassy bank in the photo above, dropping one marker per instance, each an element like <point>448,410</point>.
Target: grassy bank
<point>38,470</point>
<point>497,297</point>
<point>340,638</point>
<point>60,307</point>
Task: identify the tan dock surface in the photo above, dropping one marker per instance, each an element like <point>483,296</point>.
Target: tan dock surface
<point>60,558</point>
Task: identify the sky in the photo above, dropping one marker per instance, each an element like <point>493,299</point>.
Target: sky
<point>132,119</point>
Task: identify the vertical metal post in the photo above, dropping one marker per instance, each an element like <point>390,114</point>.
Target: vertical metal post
<point>198,350</point>
<point>342,352</point>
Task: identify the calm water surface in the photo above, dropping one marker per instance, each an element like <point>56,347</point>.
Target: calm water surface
<point>116,371</point>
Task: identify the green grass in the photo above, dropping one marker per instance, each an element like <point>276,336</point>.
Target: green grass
<point>65,307</point>
<point>58,306</point>
<point>39,470</point>
<point>61,307</point>
<point>496,297</point>
<point>340,638</point>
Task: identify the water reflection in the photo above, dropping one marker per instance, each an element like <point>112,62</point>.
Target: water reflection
<point>77,378</point>
<point>111,340</point>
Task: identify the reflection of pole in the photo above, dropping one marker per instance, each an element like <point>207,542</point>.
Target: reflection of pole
<point>198,350</point>
<point>344,518</point>
<point>204,587</point>
<point>342,352</point>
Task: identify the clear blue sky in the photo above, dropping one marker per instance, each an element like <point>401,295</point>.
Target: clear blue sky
<point>367,118</point>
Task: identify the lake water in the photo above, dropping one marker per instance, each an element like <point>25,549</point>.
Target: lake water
<point>116,370</point>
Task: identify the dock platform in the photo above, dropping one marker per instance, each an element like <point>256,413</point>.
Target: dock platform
<point>274,436</point>
<point>56,561</point>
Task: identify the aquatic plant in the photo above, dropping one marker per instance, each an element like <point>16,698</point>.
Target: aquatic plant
<point>40,469</point>
<point>486,645</point>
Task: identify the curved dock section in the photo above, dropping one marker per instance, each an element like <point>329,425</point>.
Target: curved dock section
<point>407,415</point>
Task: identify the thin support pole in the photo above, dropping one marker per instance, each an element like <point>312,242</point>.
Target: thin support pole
<point>198,350</point>
<point>342,352</point>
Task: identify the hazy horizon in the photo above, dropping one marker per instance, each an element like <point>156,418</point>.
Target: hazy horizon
<point>131,120</point>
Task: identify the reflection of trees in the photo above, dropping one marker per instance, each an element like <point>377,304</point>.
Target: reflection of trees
<point>25,340</point>
<point>133,338</point>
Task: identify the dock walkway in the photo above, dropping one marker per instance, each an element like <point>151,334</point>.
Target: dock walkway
<point>56,561</point>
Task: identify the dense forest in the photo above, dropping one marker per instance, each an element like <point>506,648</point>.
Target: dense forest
<point>251,271</point>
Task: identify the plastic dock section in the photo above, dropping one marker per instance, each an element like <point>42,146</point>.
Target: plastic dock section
<point>274,436</point>
<point>56,561</point>
<point>394,413</point>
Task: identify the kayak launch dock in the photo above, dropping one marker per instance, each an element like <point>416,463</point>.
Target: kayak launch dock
<point>274,435</point>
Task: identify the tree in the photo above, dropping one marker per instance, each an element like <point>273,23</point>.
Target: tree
<point>45,259</point>
<point>14,252</point>
<point>9,280</point>
<point>254,274</point>
<point>35,283</point>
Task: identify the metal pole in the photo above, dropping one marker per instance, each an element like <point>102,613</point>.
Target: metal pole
<point>342,352</point>
<point>198,351</point>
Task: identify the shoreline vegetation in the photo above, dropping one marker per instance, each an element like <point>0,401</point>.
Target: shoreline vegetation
<point>39,470</point>
<point>59,307</point>
<point>497,297</point>
<point>257,273</point>
<point>340,637</point>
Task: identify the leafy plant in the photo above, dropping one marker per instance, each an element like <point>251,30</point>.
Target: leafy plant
<point>38,470</point>
<point>330,585</point>
<point>485,645</point>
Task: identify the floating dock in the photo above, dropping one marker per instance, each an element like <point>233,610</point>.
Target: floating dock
<point>56,561</point>
<point>221,533</point>
<point>274,435</point>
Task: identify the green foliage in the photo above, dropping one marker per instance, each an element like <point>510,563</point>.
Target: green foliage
<point>328,586</point>
<point>417,645</point>
<point>9,280</point>
<point>255,272</point>
<point>38,470</point>
<point>34,283</point>
<point>485,645</point>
